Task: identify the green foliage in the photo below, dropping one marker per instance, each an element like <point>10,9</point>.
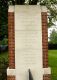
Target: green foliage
<point>3,69</point>
<point>3,18</point>
<point>3,65</point>
<point>4,41</point>
<point>4,55</point>
<point>50,4</point>
<point>53,37</point>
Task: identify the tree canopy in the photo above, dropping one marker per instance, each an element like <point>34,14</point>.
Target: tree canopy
<point>53,37</point>
<point>3,18</point>
<point>50,4</point>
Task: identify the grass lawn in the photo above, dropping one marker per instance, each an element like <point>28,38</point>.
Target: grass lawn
<point>52,58</point>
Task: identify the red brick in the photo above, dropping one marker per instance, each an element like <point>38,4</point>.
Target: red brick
<point>11,41</point>
<point>47,77</point>
<point>44,39</point>
<point>11,78</point>
<point>45,43</point>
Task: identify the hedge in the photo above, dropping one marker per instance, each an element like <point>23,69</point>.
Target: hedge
<point>3,69</point>
<point>52,46</point>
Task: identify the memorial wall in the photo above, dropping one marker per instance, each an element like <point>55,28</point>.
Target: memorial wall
<point>28,43</point>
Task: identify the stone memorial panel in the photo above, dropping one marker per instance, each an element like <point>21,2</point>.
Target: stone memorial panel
<point>28,42</point>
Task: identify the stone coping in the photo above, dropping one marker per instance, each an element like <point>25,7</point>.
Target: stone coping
<point>12,72</point>
<point>42,8</point>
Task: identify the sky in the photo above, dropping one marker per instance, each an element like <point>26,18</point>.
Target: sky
<point>50,29</point>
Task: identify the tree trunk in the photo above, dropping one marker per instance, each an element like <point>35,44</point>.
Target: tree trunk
<point>20,2</point>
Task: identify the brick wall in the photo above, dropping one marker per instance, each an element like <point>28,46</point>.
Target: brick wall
<point>47,77</point>
<point>10,77</point>
<point>45,43</point>
<point>11,40</point>
<point>44,39</point>
<point>11,43</point>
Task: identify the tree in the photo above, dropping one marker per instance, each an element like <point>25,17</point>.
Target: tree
<point>50,4</point>
<point>53,37</point>
<point>3,18</point>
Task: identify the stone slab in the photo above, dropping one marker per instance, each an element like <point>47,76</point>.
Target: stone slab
<point>28,42</point>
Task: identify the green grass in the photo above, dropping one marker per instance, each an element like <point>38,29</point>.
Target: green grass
<point>52,59</point>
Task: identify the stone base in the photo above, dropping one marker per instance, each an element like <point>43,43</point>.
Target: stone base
<point>11,74</point>
<point>11,78</point>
